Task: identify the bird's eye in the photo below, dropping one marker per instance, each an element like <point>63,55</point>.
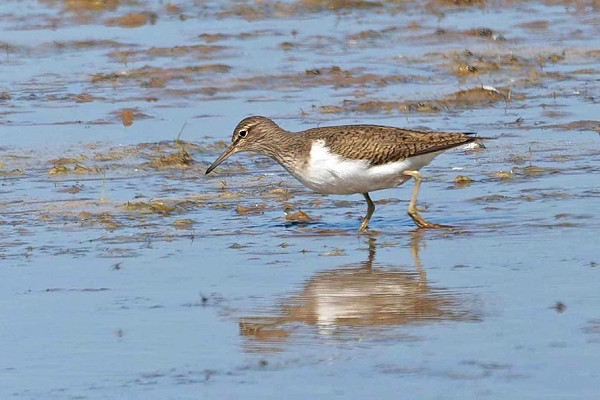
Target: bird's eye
<point>243,133</point>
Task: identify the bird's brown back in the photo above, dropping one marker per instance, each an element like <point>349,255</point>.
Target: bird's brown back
<point>383,144</point>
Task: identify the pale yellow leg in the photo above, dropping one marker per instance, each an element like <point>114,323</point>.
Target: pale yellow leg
<point>370,210</point>
<point>412,209</point>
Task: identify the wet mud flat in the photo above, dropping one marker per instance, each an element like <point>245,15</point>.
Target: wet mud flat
<point>126,272</point>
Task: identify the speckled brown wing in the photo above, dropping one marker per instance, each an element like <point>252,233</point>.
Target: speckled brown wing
<point>382,144</point>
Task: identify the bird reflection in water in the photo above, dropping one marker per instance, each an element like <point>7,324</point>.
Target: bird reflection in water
<point>358,300</point>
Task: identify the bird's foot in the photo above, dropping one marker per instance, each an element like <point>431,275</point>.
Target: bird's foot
<point>368,232</point>
<point>422,223</point>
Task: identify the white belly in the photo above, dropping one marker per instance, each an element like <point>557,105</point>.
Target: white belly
<point>329,173</point>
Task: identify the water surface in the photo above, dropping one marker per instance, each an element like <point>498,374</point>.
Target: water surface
<point>125,272</point>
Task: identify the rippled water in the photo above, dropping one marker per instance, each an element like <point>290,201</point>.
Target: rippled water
<point>125,272</point>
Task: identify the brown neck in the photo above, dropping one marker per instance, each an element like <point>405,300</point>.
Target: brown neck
<point>287,148</point>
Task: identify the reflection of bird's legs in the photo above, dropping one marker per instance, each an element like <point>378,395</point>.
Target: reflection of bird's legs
<point>370,210</point>
<point>415,239</point>
<point>412,209</point>
<point>369,263</point>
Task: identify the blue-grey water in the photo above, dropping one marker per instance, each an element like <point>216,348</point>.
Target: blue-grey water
<point>125,272</point>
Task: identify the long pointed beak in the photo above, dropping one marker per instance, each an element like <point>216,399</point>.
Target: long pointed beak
<point>228,151</point>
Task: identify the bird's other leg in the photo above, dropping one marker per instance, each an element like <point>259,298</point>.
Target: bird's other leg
<point>370,210</point>
<point>412,208</point>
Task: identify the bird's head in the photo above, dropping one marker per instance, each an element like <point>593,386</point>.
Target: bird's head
<point>251,134</point>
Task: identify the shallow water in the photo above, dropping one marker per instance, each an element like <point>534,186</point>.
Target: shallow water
<point>125,272</point>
